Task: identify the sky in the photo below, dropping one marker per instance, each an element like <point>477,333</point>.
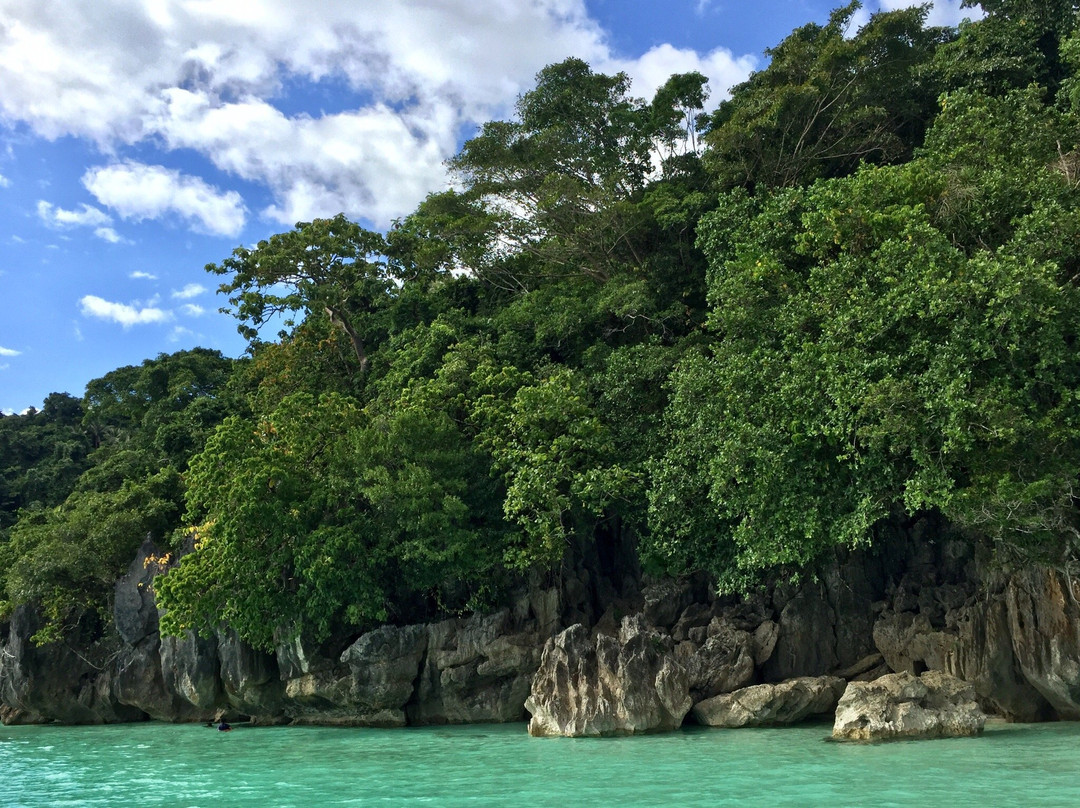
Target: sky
<point>141,140</point>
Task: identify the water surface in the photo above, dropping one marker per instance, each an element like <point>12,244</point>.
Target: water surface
<point>189,765</point>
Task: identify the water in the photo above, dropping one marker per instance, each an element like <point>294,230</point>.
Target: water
<point>166,765</point>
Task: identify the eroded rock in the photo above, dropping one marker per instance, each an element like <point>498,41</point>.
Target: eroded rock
<point>771,704</point>
<point>902,705</point>
<point>608,685</point>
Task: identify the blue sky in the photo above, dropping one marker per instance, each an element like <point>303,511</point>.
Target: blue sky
<point>142,139</point>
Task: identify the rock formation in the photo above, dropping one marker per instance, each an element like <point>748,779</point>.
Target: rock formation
<point>902,705</point>
<point>604,685</point>
<point>769,705</point>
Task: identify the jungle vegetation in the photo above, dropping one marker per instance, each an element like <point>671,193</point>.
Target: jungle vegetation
<point>849,295</point>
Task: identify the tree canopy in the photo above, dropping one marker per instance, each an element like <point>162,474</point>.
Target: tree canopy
<point>740,340</point>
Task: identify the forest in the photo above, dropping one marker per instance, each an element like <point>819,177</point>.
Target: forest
<point>733,341</point>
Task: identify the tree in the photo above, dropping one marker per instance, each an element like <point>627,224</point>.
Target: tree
<point>827,102</point>
<point>876,351</point>
<point>327,267</point>
<point>553,188</point>
<point>1018,43</point>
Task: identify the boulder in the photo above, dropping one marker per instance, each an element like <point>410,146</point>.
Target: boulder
<point>723,663</point>
<point>902,705</point>
<point>771,704</point>
<point>603,685</point>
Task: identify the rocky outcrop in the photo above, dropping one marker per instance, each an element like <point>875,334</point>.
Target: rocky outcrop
<point>1044,624</point>
<point>769,705</point>
<point>70,681</point>
<point>476,670</point>
<point>605,685</point>
<point>902,705</point>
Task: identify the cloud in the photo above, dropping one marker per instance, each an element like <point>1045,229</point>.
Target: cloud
<point>109,235</point>
<point>122,313</point>
<point>179,332</point>
<point>9,352</point>
<point>138,191</point>
<point>87,216</point>
<point>4,182</point>
<point>191,310</point>
<point>139,275</point>
<point>206,77</point>
<point>189,291</point>
<point>656,66</point>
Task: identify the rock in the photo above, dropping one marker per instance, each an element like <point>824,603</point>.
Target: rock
<point>902,705</point>
<point>476,670</point>
<point>249,677</point>
<point>694,616</point>
<point>983,655</point>
<point>765,636</point>
<point>383,668</point>
<point>190,668</point>
<point>806,638</point>
<point>725,662</point>
<point>139,683</point>
<point>135,613</point>
<point>1044,623</point>
<point>665,600</point>
<point>54,682</point>
<point>867,663</point>
<point>766,705</point>
<point>608,686</point>
<point>910,643</point>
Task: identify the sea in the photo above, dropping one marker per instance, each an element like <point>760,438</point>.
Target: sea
<point>153,764</point>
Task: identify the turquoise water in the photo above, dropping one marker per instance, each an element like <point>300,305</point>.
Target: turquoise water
<point>166,765</point>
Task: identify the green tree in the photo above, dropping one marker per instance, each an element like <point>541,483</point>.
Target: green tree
<point>329,268</point>
<point>828,101</point>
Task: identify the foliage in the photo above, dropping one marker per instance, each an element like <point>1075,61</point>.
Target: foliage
<point>877,349</point>
<point>828,101</point>
<point>853,298</point>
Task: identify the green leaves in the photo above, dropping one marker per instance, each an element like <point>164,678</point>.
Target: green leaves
<point>878,349</point>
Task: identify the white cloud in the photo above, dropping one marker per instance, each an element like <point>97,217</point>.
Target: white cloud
<point>9,352</point>
<point>189,291</point>
<point>205,76</point>
<point>191,310</point>
<point>138,191</point>
<point>87,216</point>
<point>125,314</point>
<point>179,332</point>
<point>109,235</point>
<point>139,275</point>
<point>4,182</point>
<point>656,66</point>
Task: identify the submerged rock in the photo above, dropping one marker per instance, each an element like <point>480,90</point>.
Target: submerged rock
<point>767,705</point>
<point>608,685</point>
<point>902,705</point>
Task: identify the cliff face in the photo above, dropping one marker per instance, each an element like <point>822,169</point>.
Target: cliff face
<point>918,603</point>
